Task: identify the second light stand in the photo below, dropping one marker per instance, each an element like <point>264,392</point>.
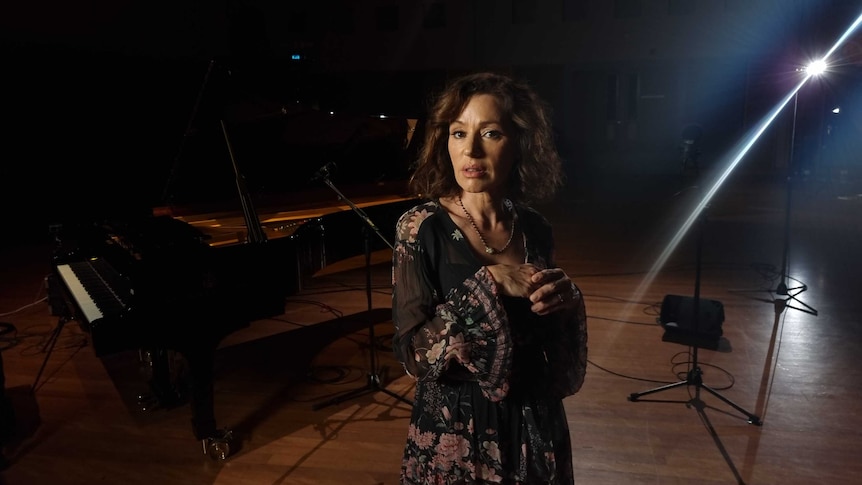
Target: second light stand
<point>783,289</point>
<point>373,383</point>
<point>694,377</point>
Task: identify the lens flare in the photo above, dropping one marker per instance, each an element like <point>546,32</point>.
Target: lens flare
<point>816,68</point>
<point>731,161</point>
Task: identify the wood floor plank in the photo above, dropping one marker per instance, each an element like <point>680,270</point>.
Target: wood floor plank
<point>795,370</point>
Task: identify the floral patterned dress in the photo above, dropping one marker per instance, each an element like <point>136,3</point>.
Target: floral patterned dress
<point>491,375</point>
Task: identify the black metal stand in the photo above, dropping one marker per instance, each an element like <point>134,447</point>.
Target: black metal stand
<point>783,289</point>
<point>48,348</point>
<point>373,382</point>
<point>694,377</point>
<point>790,292</point>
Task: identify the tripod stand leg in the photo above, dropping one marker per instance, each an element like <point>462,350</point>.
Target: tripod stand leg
<point>695,378</point>
<point>752,418</point>
<point>635,395</point>
<point>791,296</point>
<point>367,389</point>
<point>373,384</point>
<point>48,348</point>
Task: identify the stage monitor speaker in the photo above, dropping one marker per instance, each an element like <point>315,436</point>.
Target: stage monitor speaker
<point>677,316</point>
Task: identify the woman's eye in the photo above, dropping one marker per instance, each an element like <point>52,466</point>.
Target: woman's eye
<point>457,134</point>
<point>493,134</point>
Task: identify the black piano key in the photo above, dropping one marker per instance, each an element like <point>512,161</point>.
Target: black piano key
<point>90,274</point>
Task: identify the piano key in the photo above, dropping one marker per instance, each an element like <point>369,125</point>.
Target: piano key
<point>81,296</point>
<point>101,289</point>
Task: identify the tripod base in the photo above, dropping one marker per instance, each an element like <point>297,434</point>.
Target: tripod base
<point>372,386</point>
<point>789,298</point>
<point>695,378</point>
<point>48,348</point>
<point>790,294</point>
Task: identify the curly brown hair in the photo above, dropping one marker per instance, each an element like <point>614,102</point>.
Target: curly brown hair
<point>538,170</point>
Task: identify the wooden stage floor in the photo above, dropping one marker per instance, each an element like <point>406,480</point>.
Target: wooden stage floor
<point>791,362</point>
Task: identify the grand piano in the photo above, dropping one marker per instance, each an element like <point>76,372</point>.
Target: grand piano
<point>249,215</point>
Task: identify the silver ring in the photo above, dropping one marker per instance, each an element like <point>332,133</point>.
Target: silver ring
<point>560,296</point>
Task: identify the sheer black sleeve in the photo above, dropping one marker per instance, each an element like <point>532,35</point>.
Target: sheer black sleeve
<point>468,326</point>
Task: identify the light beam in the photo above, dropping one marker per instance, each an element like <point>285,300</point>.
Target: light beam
<point>732,161</point>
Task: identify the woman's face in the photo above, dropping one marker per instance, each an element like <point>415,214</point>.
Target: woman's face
<point>481,146</point>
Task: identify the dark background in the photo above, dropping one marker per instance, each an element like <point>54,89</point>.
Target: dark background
<point>102,99</point>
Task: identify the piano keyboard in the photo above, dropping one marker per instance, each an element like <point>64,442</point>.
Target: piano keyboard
<point>89,283</point>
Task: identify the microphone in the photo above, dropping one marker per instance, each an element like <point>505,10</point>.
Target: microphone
<point>323,172</point>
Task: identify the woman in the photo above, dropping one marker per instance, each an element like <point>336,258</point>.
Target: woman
<point>494,334</point>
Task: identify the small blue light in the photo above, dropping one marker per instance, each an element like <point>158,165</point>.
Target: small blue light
<point>295,57</point>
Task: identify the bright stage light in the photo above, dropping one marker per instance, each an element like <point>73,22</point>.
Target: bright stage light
<point>816,68</point>
<point>734,159</point>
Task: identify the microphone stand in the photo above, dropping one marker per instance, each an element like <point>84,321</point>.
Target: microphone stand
<point>373,382</point>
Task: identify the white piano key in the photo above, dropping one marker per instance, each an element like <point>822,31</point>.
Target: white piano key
<point>79,293</point>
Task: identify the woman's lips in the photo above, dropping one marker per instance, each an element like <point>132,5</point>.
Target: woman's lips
<point>473,172</point>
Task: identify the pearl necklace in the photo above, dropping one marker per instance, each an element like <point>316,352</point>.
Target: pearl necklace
<point>489,249</point>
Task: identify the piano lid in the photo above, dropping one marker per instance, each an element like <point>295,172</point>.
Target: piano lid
<point>279,149</point>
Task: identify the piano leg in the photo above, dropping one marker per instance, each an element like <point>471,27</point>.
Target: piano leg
<point>215,442</point>
<point>165,381</point>
<point>200,361</point>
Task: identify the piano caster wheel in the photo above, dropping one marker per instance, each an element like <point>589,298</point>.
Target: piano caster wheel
<point>218,447</point>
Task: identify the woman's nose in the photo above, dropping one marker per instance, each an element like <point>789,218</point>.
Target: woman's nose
<point>473,147</point>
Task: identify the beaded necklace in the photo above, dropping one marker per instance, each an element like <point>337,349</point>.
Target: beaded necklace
<point>489,249</point>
